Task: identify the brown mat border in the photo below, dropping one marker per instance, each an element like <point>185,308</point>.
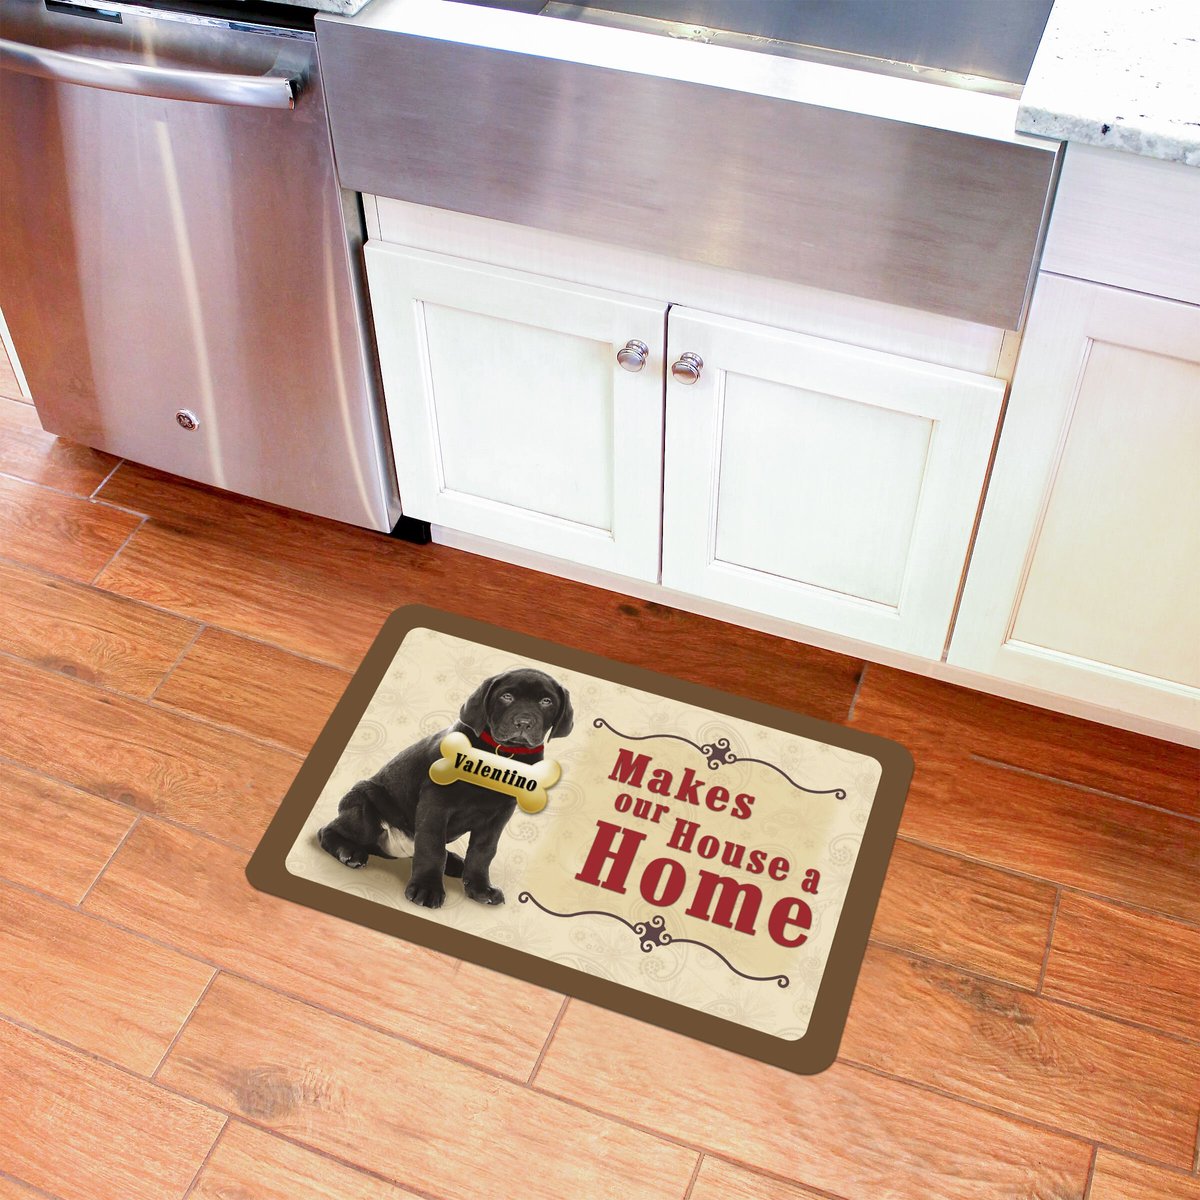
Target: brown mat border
<point>812,1053</point>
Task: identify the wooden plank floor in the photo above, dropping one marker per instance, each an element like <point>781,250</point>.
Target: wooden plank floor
<point>1026,1027</point>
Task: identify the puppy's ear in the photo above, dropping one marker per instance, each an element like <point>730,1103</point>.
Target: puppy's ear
<point>473,713</point>
<point>566,715</point>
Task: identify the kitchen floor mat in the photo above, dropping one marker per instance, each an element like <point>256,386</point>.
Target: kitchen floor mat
<point>690,858</point>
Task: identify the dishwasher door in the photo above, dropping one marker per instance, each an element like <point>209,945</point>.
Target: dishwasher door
<point>179,267</point>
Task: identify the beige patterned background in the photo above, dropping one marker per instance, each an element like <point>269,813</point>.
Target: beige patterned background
<point>430,677</point>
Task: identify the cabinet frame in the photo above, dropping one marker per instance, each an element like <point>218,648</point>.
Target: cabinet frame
<point>402,282</point>
<point>963,409</point>
<point>1069,315</point>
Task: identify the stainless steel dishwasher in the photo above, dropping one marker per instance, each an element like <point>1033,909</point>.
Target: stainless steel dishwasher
<point>179,266</point>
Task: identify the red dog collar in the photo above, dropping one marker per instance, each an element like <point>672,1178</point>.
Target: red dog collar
<point>486,737</point>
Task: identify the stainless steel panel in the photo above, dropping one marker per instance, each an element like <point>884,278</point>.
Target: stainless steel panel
<point>162,257</point>
<point>995,39</point>
<point>921,217</point>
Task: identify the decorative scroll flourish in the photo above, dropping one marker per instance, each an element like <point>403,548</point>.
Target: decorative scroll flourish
<point>719,754</point>
<point>653,934</point>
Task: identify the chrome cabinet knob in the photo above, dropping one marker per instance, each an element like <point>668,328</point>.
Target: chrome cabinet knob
<point>632,356</point>
<point>686,368</point>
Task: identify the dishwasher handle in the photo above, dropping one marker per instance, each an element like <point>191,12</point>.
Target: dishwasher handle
<point>273,90</point>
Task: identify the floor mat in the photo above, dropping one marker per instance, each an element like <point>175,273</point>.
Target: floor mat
<point>687,857</point>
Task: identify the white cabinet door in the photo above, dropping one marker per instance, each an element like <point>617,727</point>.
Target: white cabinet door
<point>1085,579</point>
<point>821,483</point>
<point>510,417</point>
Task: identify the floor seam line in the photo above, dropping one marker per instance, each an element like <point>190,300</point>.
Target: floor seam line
<point>92,1056</point>
<point>1049,941</point>
<point>1196,1155</point>
<point>857,688</point>
<point>761,1172</point>
<point>191,1187</point>
<point>1087,1188</point>
<point>1080,787</point>
<point>184,1024</point>
<point>117,553</point>
<point>1072,889</point>
<point>179,658</point>
<point>687,1195</point>
<point>37,1191</point>
<point>47,487</point>
<point>248,1122</point>
<point>95,491</point>
<point>537,1066</point>
<point>1007,1114</point>
<point>147,703</point>
<point>78,905</point>
<point>173,822</point>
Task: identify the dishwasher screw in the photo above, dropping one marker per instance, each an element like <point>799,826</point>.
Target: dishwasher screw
<point>186,419</point>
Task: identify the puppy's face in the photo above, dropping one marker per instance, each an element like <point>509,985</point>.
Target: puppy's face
<point>520,707</point>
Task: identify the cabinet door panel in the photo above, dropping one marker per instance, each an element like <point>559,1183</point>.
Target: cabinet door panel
<point>1112,541</point>
<point>1086,572</point>
<point>503,407</point>
<point>509,415</point>
<point>828,463</point>
<point>828,485</point>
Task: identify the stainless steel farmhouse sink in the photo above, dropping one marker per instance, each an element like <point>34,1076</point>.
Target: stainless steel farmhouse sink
<point>863,146</point>
<point>986,45</point>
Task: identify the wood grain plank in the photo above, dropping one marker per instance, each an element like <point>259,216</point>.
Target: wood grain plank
<point>192,893</point>
<point>353,580</point>
<point>724,1181</point>
<point>966,914</point>
<point>249,1164</point>
<point>1119,1178</point>
<point>845,1131</point>
<point>1126,963</point>
<point>1063,834</point>
<point>324,589</point>
<point>254,687</point>
<point>89,984</point>
<point>405,1113</point>
<point>943,725</point>
<point>31,807</point>
<point>1129,1088</point>
<point>241,588</point>
<point>88,634</point>
<point>29,453</point>
<point>67,535</point>
<point>149,758</point>
<point>83,1130</point>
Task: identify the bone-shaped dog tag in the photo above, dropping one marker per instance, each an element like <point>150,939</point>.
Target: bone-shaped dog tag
<point>527,782</point>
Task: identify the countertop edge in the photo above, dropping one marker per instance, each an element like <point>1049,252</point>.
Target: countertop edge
<point>1119,74</point>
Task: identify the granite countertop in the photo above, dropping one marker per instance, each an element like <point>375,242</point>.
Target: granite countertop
<point>344,8</point>
<point>1119,73</point>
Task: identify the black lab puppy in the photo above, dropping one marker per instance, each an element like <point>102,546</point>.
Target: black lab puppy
<point>512,715</point>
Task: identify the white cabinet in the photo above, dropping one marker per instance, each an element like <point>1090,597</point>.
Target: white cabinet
<point>510,417</point>
<point>1085,576</point>
<point>823,476</point>
<point>828,485</point>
